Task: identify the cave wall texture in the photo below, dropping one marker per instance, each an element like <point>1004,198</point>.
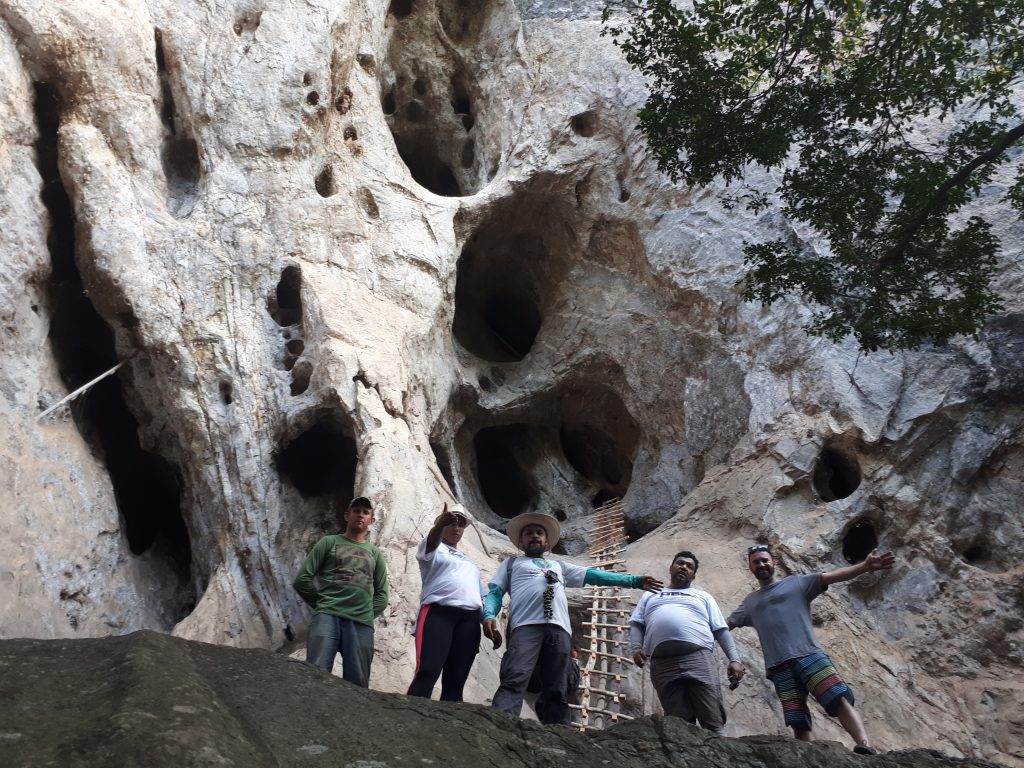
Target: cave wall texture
<point>418,250</point>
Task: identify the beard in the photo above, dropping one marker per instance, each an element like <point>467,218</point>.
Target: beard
<point>534,549</point>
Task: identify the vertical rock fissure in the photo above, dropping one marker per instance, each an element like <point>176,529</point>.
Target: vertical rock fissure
<point>146,487</point>
<point>180,151</point>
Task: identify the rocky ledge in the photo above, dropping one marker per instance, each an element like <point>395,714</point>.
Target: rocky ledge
<point>153,700</point>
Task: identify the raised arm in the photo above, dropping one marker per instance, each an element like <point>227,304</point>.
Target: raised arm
<point>873,562</point>
<point>434,537</point>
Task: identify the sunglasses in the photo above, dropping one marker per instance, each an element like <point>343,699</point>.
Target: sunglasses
<point>758,548</point>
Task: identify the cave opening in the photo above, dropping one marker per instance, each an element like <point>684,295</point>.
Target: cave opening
<point>147,488</point>
<point>836,474</point>
<point>504,482</point>
<point>426,168</point>
<point>444,463</point>
<point>859,541</point>
<point>497,316</point>
<point>400,8</point>
<point>322,461</point>
<point>285,304</point>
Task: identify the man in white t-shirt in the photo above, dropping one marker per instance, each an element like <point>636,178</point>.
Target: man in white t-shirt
<point>539,630</point>
<point>676,629</point>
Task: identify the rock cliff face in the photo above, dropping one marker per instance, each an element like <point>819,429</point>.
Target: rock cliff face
<point>418,250</point>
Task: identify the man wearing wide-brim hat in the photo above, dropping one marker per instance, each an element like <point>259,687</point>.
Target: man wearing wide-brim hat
<point>539,629</point>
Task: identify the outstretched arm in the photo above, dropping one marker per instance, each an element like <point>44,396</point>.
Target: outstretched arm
<point>873,562</point>
<point>598,578</point>
<point>434,537</point>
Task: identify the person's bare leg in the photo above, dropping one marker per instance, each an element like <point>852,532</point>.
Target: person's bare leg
<point>801,735</point>
<point>851,721</point>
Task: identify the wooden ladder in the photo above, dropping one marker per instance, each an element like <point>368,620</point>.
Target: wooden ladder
<point>605,660</point>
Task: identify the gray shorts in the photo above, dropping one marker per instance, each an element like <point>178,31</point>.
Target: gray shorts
<point>688,688</point>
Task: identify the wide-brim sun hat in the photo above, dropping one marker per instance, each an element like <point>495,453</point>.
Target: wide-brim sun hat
<point>547,522</point>
<point>455,509</point>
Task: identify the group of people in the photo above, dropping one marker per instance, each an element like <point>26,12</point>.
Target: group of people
<point>673,629</point>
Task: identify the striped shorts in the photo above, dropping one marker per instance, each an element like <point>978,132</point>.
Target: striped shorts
<point>815,675</point>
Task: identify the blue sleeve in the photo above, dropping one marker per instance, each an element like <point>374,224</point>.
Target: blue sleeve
<point>492,603</point>
<point>597,578</point>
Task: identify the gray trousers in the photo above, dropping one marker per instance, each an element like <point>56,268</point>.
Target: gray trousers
<point>546,647</point>
<point>688,688</point>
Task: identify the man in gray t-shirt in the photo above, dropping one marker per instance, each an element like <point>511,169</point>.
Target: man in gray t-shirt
<point>780,611</point>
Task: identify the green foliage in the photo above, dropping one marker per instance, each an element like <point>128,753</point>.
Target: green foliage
<point>833,93</point>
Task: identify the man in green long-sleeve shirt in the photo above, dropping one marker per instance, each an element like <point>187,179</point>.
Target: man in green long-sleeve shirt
<point>344,580</point>
<point>539,629</point>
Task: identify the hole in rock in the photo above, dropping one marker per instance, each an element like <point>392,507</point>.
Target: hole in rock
<point>462,20</point>
<point>313,98</point>
<point>595,455</point>
<point>226,392</point>
<point>321,462</point>
<point>285,305</point>
<point>146,487</point>
<point>468,153</point>
<point>288,634</point>
<point>349,134</point>
<point>414,112</point>
<point>248,22</point>
<point>307,79</point>
<point>859,541</point>
<point>504,483</point>
<point>387,103</point>
<point>420,86</point>
<point>289,361</point>
<point>462,105</point>
<point>509,271</point>
<point>976,554</point>
<point>836,474</point>
<point>301,374</point>
<point>584,124</point>
<point>179,153</point>
<point>367,62</point>
<point>400,8</point>
<point>624,195</point>
<point>444,463</point>
<point>368,203</point>
<point>560,515</point>
<point>344,102</point>
<point>296,346</point>
<point>427,169</point>
<point>325,182</point>
<point>486,384</point>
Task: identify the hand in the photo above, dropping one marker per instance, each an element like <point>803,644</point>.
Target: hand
<point>640,658</point>
<point>651,584</point>
<point>736,670</point>
<point>491,633</point>
<point>875,562</point>
<point>447,518</point>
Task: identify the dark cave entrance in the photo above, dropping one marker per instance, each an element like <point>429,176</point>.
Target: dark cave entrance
<point>859,541</point>
<point>322,461</point>
<point>504,482</point>
<point>147,488</point>
<point>836,474</point>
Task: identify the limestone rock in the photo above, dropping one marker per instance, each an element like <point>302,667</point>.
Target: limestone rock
<point>152,700</point>
<point>417,250</point>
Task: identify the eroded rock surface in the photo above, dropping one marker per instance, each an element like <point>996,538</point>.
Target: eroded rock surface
<point>416,249</point>
<point>152,700</point>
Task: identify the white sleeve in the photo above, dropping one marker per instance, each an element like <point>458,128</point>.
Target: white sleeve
<point>572,573</point>
<point>639,613</point>
<point>421,551</point>
<point>715,618</point>
<point>500,578</point>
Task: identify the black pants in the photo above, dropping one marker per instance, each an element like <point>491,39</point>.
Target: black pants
<point>447,641</point>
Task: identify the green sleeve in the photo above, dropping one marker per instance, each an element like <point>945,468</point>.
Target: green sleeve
<point>380,586</point>
<point>305,582</point>
<point>597,578</point>
<point>492,604</point>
